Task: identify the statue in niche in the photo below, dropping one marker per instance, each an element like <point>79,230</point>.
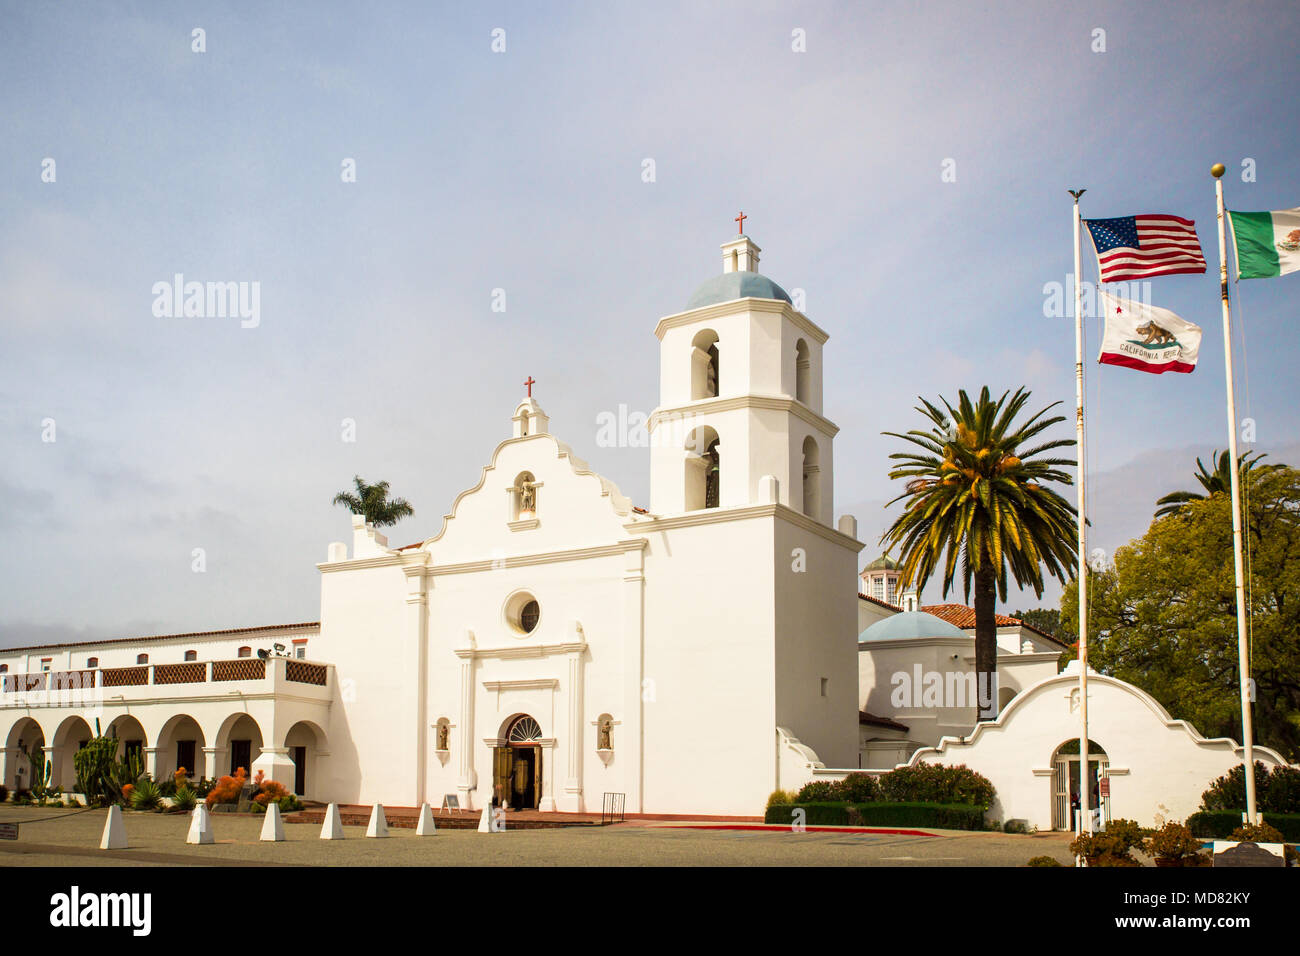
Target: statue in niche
<point>527,496</point>
<point>443,734</point>
<point>604,734</point>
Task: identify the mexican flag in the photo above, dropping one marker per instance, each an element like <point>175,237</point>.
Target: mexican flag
<point>1267,243</point>
<point>1147,338</point>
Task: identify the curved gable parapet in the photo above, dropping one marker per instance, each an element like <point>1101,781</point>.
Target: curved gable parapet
<point>1067,679</point>
<point>621,504</point>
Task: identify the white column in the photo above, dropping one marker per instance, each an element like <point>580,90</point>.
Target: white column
<point>574,743</point>
<point>417,626</point>
<point>466,741</point>
<point>151,761</point>
<point>212,759</point>
<point>630,749</point>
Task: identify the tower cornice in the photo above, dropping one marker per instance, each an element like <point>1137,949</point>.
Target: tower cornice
<point>780,403</point>
<point>734,306</point>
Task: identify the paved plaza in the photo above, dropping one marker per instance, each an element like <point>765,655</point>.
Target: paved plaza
<point>65,838</point>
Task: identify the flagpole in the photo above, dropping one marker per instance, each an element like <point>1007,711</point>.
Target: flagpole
<point>1085,795</point>
<point>1243,657</point>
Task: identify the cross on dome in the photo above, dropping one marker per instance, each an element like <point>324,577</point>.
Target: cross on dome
<point>529,384</point>
<point>740,220</point>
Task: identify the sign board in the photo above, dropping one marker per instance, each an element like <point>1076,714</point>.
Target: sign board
<point>450,801</point>
<point>1229,853</point>
<point>8,831</point>
<point>1104,786</point>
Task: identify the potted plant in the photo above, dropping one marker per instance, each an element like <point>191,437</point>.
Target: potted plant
<point>1174,845</point>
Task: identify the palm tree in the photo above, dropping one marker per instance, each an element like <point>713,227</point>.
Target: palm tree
<point>1214,482</point>
<point>975,493</point>
<point>372,501</point>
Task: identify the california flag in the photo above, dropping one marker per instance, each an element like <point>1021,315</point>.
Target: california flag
<point>1147,338</point>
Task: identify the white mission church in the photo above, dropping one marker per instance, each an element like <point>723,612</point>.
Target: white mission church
<point>551,643</point>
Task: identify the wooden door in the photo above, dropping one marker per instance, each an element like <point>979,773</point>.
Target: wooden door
<point>500,775</point>
<point>299,755</point>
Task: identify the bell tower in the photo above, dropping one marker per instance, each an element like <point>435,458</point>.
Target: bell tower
<point>739,421</point>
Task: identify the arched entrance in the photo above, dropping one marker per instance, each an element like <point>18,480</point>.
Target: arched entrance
<point>1065,784</point>
<point>517,766</point>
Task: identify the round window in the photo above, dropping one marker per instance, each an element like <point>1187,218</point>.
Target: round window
<point>522,613</point>
<point>528,616</point>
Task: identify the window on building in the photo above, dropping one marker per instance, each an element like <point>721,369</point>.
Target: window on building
<point>245,652</point>
<point>45,663</point>
<point>4,668</point>
<point>185,755</point>
<point>812,494</point>
<point>529,615</point>
<point>142,659</point>
<point>191,655</point>
<point>300,652</point>
<point>705,379</point>
<point>92,661</point>
<point>802,371</point>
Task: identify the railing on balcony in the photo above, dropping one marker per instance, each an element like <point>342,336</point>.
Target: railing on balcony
<point>125,676</point>
<point>188,672</point>
<point>191,672</point>
<point>245,668</point>
<point>304,673</point>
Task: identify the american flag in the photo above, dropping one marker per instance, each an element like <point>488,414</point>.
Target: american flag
<point>1139,247</point>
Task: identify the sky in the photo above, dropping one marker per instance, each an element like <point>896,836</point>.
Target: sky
<point>129,439</point>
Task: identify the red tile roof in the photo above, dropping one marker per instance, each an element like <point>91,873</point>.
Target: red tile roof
<point>873,720</point>
<point>964,617</point>
<point>163,637</point>
<point>884,604</point>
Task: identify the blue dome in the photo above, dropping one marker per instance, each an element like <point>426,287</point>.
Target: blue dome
<point>909,625</point>
<point>736,285</point>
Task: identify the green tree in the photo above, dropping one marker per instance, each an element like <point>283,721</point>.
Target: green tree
<point>1164,617</point>
<point>975,492</point>
<point>1217,482</point>
<point>372,501</point>
<point>1046,619</point>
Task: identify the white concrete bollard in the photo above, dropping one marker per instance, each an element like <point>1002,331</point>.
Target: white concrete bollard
<point>200,826</point>
<point>272,826</point>
<point>114,837</point>
<point>378,826</point>
<point>332,828</point>
<point>425,826</point>
<point>485,821</point>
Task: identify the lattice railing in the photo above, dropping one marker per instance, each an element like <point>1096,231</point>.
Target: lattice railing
<point>125,676</point>
<point>19,683</point>
<point>191,672</point>
<point>245,668</point>
<point>73,680</point>
<point>303,673</point>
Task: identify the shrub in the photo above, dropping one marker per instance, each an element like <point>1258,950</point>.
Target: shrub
<point>1112,846</point>
<point>929,783</point>
<point>4,793</point>
<point>185,799</point>
<point>1016,826</point>
<point>777,797</point>
<point>128,791</point>
<point>145,795</point>
<point>22,797</point>
<point>270,790</point>
<point>290,803</point>
<point>1276,790</point>
<point>882,814</point>
<point>93,764</point>
<point>228,789</point>
<point>1044,861</point>
<point>1174,843</point>
<point>1220,824</point>
<point>819,791</point>
<point>859,788</point>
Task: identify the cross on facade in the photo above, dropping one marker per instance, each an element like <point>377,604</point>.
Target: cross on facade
<point>530,383</point>
<point>741,220</point>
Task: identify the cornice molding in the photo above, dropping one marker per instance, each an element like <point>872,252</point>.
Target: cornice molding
<point>734,306</point>
<point>542,557</point>
<point>708,516</point>
<point>780,403</point>
<point>520,651</point>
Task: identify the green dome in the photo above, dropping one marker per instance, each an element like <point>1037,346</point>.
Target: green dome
<point>736,285</point>
<point>882,563</point>
<point>910,625</point>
